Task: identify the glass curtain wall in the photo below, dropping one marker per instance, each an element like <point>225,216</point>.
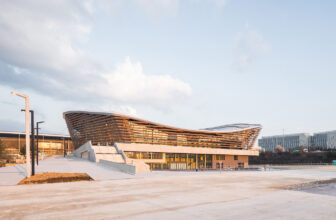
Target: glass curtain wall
<point>179,161</point>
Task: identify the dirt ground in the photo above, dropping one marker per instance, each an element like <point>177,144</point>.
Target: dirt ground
<point>52,177</point>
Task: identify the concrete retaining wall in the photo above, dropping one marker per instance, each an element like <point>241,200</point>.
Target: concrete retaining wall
<point>85,152</point>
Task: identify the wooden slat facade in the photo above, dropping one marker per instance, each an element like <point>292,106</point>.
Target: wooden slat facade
<point>103,128</point>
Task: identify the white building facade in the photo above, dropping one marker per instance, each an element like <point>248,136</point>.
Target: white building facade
<point>288,141</point>
<point>322,140</point>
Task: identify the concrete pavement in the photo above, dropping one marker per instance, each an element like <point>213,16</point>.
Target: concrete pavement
<point>173,195</point>
<point>12,175</point>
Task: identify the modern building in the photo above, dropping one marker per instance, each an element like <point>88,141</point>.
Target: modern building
<point>288,141</point>
<point>321,140</point>
<point>324,140</point>
<point>165,147</point>
<point>49,144</point>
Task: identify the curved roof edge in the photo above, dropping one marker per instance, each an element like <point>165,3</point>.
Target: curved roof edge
<point>218,129</point>
<point>233,127</point>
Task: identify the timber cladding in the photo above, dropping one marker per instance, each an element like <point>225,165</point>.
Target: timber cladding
<point>110,127</point>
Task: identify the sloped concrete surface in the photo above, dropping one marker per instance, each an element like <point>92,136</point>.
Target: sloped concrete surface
<point>12,175</point>
<point>174,195</point>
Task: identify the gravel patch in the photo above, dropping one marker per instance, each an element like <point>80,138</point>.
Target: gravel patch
<point>325,187</point>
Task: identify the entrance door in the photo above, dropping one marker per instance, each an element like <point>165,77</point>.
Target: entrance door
<point>200,161</point>
<point>208,161</point>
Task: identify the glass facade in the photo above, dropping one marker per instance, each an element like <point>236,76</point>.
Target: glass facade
<point>130,132</point>
<point>144,155</point>
<point>15,145</point>
<point>50,145</point>
<point>111,127</point>
<point>181,161</point>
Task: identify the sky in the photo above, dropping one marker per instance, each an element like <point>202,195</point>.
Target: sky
<point>186,63</point>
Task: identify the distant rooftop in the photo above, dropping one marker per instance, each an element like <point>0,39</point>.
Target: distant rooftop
<point>24,133</point>
<point>325,132</point>
<point>221,128</point>
<point>232,127</point>
<point>286,135</point>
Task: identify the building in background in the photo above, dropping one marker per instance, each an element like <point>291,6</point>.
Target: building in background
<point>165,147</point>
<point>288,141</point>
<point>49,144</point>
<point>322,141</point>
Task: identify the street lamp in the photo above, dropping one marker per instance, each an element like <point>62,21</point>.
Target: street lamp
<point>37,140</point>
<point>32,144</point>
<point>64,147</point>
<point>27,130</point>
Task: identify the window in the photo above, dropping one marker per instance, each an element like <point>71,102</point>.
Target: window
<point>235,157</point>
<point>220,157</point>
<point>156,155</point>
<point>145,155</point>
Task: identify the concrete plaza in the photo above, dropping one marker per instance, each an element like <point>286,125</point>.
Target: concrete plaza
<point>167,194</point>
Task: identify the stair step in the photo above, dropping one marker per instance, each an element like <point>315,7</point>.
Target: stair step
<point>104,149</point>
<point>110,157</point>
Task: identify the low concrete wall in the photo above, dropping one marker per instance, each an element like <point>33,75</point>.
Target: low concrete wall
<point>120,166</point>
<point>140,165</point>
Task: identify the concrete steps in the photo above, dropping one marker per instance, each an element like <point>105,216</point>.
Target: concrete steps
<point>105,149</point>
<point>108,153</point>
<point>111,156</point>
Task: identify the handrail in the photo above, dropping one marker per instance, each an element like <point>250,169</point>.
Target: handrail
<point>120,152</point>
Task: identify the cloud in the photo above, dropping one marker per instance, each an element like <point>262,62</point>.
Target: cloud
<point>44,29</point>
<point>217,3</point>
<point>159,9</point>
<point>129,83</point>
<point>249,46</point>
<point>123,109</point>
<point>40,50</point>
<point>220,3</point>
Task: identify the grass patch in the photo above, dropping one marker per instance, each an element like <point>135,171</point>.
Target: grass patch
<point>55,178</point>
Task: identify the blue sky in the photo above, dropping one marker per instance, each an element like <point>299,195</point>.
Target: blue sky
<point>191,64</point>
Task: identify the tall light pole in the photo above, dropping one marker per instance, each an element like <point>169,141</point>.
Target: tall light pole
<point>32,143</point>
<point>283,138</point>
<point>28,166</point>
<point>37,140</point>
<point>64,147</point>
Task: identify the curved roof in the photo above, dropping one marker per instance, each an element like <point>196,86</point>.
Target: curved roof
<point>232,127</point>
<point>102,127</point>
<point>218,129</point>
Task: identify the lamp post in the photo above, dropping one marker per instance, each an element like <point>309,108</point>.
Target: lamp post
<point>32,145</point>
<point>37,140</point>
<point>27,130</point>
<point>64,147</point>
